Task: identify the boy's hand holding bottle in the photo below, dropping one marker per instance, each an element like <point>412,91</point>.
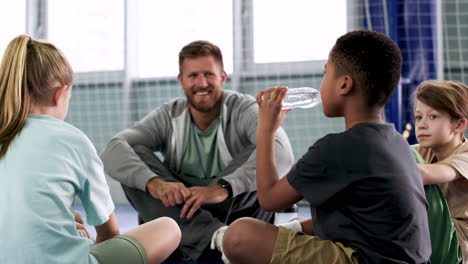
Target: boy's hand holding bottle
<point>270,112</point>
<point>283,98</point>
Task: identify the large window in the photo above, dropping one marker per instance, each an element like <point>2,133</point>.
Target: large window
<point>275,35</point>
<point>164,27</point>
<point>296,30</point>
<point>90,33</point>
<point>13,21</point>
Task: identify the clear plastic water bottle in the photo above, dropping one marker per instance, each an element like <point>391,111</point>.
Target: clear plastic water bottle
<point>303,97</point>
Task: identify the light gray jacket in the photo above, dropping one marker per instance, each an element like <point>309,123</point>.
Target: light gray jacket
<point>166,128</point>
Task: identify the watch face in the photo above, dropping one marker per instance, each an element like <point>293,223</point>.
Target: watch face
<point>223,183</point>
<point>226,185</point>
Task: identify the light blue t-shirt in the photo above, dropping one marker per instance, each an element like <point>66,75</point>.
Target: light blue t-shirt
<point>46,166</point>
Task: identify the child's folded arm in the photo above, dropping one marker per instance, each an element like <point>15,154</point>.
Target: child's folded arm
<point>437,173</point>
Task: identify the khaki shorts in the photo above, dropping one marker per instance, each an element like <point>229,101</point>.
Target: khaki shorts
<point>297,247</point>
<point>119,249</point>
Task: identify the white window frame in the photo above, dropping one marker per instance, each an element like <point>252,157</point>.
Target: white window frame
<point>252,69</point>
<point>243,57</point>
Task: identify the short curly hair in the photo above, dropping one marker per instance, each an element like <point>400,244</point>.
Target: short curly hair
<point>372,60</point>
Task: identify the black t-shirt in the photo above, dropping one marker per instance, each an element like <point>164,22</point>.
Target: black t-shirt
<point>365,191</point>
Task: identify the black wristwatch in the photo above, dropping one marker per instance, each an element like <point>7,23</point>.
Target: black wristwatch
<point>226,185</point>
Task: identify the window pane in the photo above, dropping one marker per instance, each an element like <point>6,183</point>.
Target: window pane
<point>296,30</point>
<point>166,26</point>
<point>13,21</point>
<point>90,33</point>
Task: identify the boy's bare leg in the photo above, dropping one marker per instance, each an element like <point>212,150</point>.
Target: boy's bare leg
<point>248,240</point>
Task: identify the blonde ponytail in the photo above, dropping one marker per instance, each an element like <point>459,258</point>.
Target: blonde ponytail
<point>27,72</point>
<point>14,95</point>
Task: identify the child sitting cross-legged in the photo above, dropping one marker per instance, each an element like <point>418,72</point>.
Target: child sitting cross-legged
<point>45,163</point>
<point>441,117</point>
<point>363,185</point>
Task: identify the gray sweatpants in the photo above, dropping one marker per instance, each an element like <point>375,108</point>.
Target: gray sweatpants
<point>196,231</point>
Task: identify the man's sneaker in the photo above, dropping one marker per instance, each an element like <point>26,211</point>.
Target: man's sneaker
<point>217,242</point>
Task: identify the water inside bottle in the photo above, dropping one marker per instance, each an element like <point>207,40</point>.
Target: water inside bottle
<point>304,97</point>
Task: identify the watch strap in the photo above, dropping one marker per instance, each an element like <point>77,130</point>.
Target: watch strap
<point>226,185</point>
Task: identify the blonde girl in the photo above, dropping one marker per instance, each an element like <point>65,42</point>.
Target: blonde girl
<point>45,163</point>
<point>441,114</point>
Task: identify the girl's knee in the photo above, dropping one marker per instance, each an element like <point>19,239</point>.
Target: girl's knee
<point>171,224</point>
<point>164,227</point>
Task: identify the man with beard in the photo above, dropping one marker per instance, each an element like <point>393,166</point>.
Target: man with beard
<point>207,139</point>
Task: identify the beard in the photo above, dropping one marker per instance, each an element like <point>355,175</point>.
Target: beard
<point>204,106</point>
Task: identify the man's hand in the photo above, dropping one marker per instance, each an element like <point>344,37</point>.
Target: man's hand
<point>203,195</point>
<point>170,193</point>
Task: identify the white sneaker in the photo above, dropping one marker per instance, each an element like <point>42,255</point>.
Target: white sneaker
<point>217,242</point>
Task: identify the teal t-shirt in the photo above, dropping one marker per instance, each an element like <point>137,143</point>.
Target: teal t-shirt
<point>201,158</point>
<point>47,165</point>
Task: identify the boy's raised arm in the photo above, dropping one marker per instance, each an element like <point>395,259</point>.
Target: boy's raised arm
<point>273,193</point>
